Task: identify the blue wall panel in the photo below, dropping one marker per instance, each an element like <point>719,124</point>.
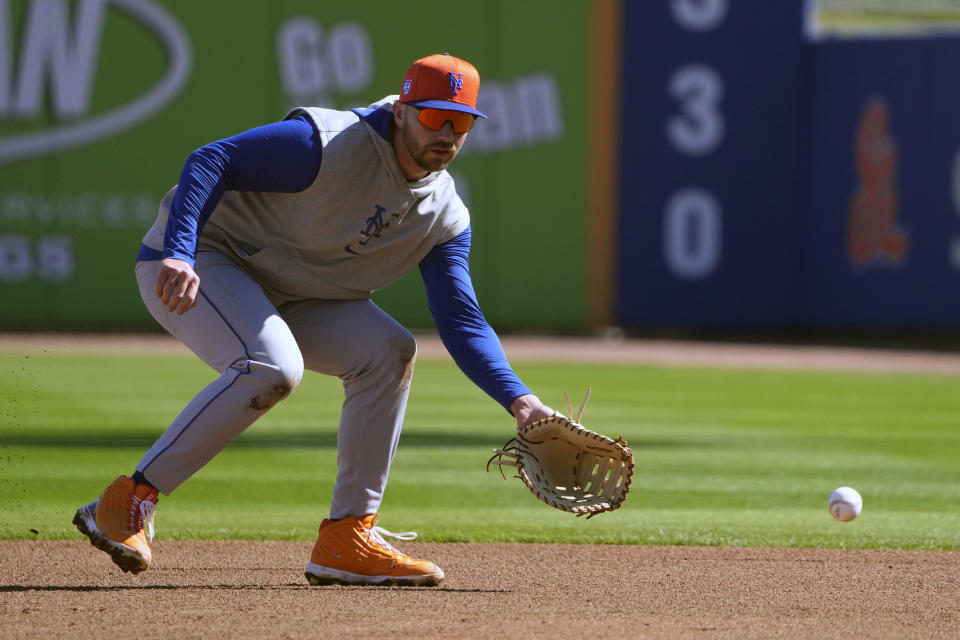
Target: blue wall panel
<point>883,246</point>
<point>771,181</point>
<point>710,231</point>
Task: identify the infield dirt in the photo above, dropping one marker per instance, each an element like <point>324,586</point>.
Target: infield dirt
<point>242,590</point>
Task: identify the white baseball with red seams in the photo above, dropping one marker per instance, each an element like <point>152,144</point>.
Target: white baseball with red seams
<point>845,504</point>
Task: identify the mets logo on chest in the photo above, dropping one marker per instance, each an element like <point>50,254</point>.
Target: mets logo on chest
<point>374,227</point>
<point>456,81</point>
<point>873,235</point>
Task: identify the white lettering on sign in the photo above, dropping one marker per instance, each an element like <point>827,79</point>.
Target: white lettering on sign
<point>48,258</point>
<point>521,113</point>
<point>54,255</point>
<point>314,64</point>
<point>298,52</point>
<point>82,210</point>
<point>61,57</point>
<point>54,52</point>
<point>16,258</point>
<point>350,56</point>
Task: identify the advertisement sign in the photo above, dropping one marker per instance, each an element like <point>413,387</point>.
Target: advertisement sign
<point>101,102</point>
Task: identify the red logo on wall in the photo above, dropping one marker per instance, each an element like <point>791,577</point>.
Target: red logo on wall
<point>873,236</point>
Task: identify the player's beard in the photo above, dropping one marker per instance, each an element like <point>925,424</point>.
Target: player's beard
<point>424,155</point>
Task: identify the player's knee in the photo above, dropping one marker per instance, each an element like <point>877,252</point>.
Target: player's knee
<point>402,349</point>
<point>404,346</point>
<point>273,391</point>
<point>290,372</point>
<point>277,381</point>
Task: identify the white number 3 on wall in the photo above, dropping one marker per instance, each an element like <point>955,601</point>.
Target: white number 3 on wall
<point>698,129</point>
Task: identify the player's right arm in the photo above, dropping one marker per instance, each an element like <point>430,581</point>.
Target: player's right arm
<point>279,157</point>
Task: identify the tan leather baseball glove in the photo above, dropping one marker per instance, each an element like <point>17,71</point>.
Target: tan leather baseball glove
<point>567,465</point>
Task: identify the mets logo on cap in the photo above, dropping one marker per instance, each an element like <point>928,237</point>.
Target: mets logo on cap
<point>456,81</point>
<point>442,81</point>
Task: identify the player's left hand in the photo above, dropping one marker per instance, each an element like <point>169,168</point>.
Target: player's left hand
<point>528,408</point>
<point>565,464</point>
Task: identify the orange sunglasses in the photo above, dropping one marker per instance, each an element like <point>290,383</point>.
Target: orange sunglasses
<point>436,118</point>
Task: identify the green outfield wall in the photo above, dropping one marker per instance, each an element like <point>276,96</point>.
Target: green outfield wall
<point>101,101</point>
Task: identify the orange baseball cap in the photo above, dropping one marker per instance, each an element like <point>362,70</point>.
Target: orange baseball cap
<point>442,81</point>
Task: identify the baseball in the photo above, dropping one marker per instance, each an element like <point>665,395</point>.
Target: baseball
<point>845,504</point>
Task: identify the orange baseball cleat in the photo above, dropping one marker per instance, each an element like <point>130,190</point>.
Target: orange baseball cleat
<point>352,551</point>
<point>115,523</point>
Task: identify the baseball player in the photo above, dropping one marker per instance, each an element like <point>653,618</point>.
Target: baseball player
<point>262,261</point>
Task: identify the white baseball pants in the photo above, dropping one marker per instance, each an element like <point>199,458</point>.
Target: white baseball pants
<point>260,352</point>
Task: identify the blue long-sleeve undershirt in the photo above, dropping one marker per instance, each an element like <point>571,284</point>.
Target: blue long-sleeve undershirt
<point>285,157</point>
<point>462,327</point>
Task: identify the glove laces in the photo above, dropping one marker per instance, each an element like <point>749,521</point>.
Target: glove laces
<point>509,456</point>
<point>583,405</point>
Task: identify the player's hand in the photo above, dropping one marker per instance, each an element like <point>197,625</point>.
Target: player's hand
<point>178,285</point>
<point>528,408</point>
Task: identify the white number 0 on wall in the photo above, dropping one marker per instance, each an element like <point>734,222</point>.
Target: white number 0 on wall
<point>692,234</point>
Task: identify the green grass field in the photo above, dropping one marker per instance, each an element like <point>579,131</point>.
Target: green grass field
<point>724,456</point>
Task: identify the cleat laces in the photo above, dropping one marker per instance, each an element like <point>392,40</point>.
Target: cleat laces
<point>141,516</point>
<point>377,533</point>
